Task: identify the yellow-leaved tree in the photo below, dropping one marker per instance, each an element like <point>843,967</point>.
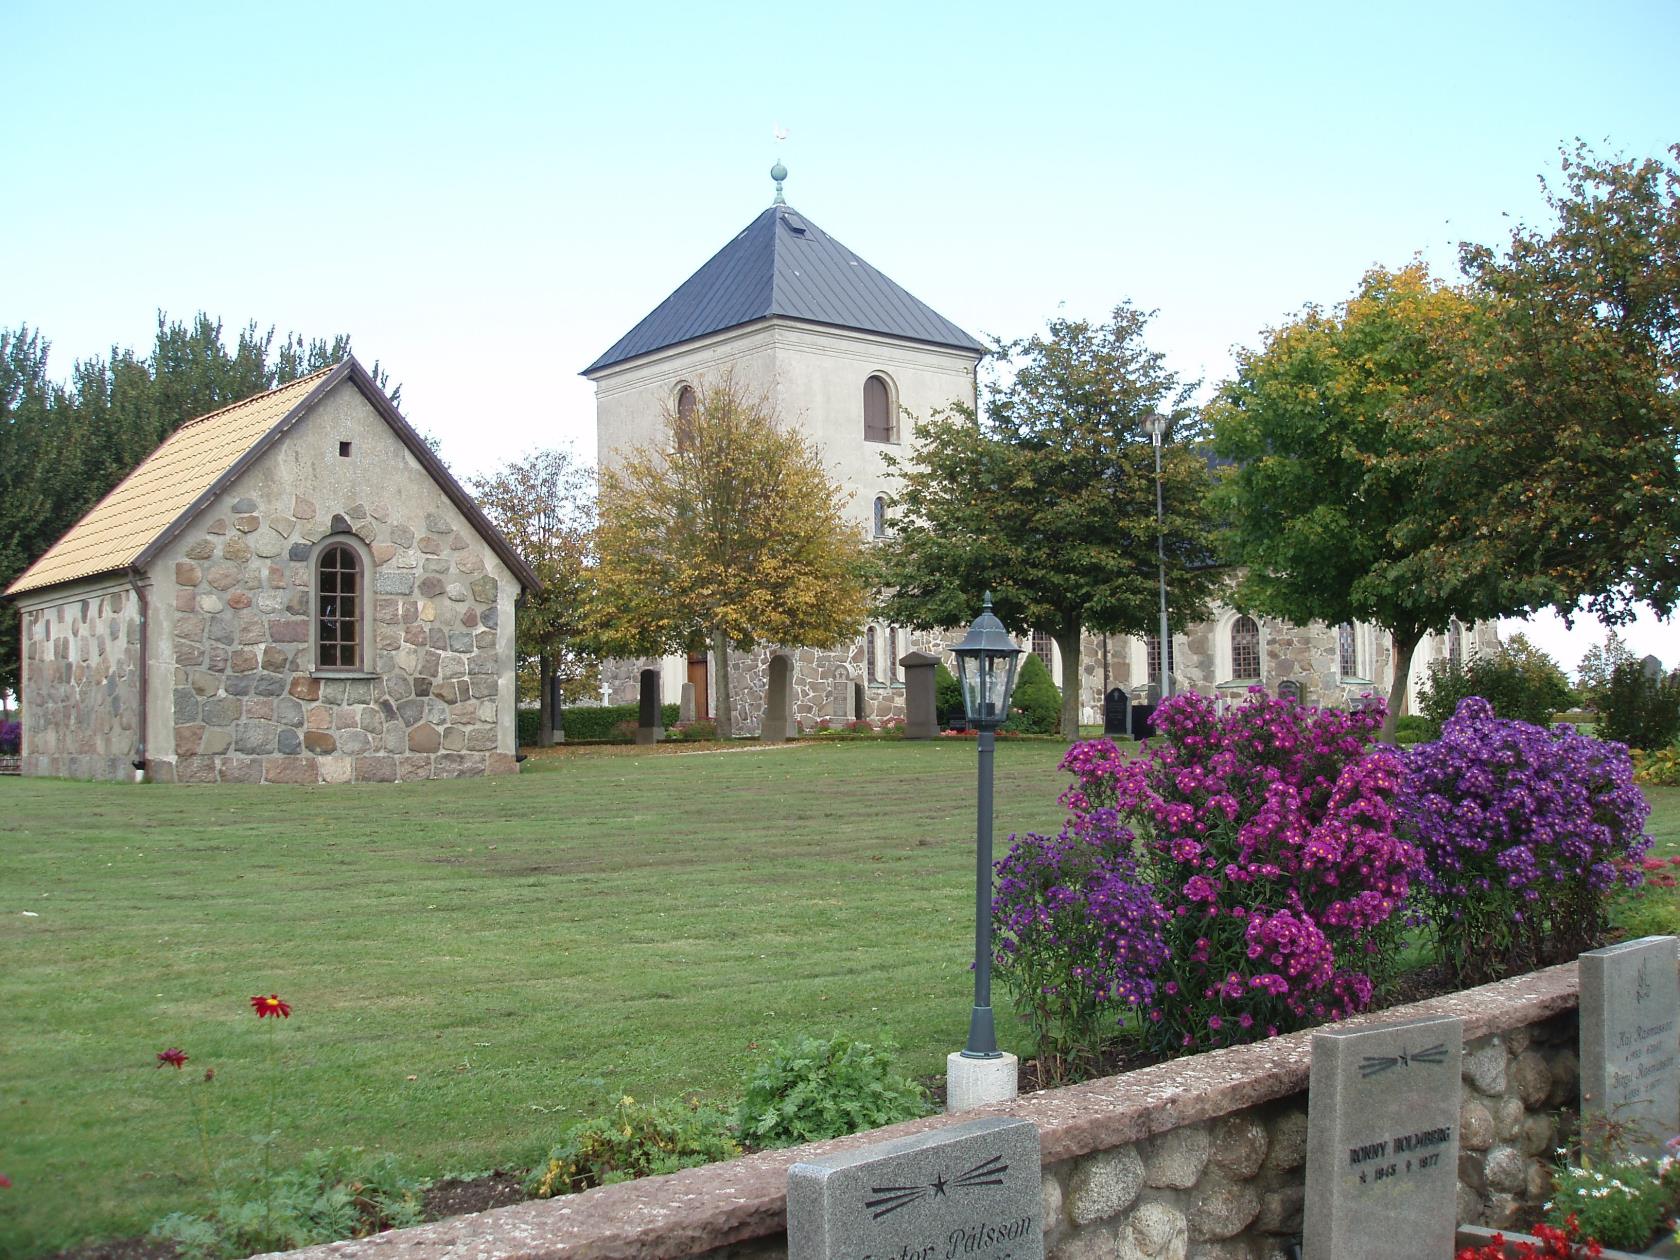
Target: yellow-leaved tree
<point>726,531</point>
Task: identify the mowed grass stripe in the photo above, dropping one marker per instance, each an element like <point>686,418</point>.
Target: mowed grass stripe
<point>602,922</point>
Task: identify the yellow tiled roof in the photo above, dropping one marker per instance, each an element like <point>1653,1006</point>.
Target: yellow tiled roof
<point>146,502</point>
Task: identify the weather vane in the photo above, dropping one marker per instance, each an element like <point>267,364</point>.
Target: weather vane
<point>778,172</point>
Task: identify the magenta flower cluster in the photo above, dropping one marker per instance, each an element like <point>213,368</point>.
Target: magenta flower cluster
<point>1079,938</point>
<point>1524,832</point>
<point>1269,842</point>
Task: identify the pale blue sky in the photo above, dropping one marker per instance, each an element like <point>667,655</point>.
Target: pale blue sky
<point>486,200</point>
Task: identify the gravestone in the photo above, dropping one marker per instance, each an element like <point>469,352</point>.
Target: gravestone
<point>649,729</point>
<point>685,703</point>
<point>1117,712</point>
<point>921,698</point>
<point>969,1189</point>
<point>778,702</point>
<point>1630,1031</point>
<point>1143,721</point>
<point>1291,689</point>
<point>1382,1141</point>
<point>1651,667</point>
<point>842,707</point>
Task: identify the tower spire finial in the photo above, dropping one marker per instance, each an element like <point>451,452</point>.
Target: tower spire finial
<point>778,172</point>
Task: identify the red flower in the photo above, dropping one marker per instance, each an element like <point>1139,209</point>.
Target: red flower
<point>270,1005</point>
<point>5,1182</point>
<point>172,1057</point>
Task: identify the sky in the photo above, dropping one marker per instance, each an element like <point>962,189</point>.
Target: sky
<point>486,197</point>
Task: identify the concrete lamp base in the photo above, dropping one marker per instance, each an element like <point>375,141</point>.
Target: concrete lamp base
<point>971,1083</point>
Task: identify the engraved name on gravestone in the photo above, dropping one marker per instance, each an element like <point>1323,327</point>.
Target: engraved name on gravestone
<point>968,1190</point>
<point>1630,1039</point>
<point>1382,1141</point>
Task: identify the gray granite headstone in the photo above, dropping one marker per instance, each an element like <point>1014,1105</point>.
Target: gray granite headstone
<point>1630,1039</point>
<point>921,695</point>
<point>1291,689</point>
<point>1382,1141</point>
<point>965,1190</point>
<point>778,701</point>
<point>685,703</point>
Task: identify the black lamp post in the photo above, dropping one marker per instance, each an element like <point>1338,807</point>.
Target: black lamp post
<point>986,661</point>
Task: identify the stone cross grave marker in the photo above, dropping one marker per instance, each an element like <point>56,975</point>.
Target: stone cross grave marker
<point>1382,1141</point>
<point>1630,1039</point>
<point>1117,712</point>
<point>969,1189</point>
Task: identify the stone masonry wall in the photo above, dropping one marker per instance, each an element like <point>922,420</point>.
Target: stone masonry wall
<point>247,706</point>
<point>81,658</point>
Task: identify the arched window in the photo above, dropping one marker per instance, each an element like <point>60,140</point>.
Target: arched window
<point>1152,649</point>
<point>869,658</point>
<point>1245,648</point>
<point>1347,650</point>
<point>1041,648</point>
<point>1455,643</point>
<point>880,516</point>
<point>877,410</point>
<point>338,608</point>
<point>685,416</point>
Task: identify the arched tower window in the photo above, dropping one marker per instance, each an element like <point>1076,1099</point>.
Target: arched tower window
<point>685,416</point>
<point>1455,643</point>
<point>877,411</point>
<point>338,608</point>
<point>1245,648</point>
<point>1347,650</point>
<point>880,516</point>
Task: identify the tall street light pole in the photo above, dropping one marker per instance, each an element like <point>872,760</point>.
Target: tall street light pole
<point>986,661</point>
<point>1156,425</point>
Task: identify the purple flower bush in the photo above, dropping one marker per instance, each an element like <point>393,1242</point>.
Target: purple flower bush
<point>1080,939</point>
<point>1525,832</point>
<point>11,738</point>
<point>1266,839</point>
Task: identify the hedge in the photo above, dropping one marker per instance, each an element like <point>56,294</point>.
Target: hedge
<point>593,723</point>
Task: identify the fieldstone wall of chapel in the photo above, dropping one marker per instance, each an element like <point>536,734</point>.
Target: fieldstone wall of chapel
<point>80,689</point>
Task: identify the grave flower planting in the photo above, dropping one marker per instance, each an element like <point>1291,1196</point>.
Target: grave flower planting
<point>1525,833</point>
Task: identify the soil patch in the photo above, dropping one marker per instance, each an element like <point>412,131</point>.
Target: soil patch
<point>457,1198</point>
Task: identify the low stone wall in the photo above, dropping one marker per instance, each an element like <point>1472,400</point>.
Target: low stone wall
<point>1198,1159</point>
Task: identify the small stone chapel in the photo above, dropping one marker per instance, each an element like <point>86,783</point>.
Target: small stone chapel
<point>292,589</point>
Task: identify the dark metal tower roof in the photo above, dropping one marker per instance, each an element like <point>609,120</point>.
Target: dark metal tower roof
<point>783,264</point>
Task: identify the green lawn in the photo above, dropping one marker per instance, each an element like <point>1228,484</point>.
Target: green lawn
<point>465,960</point>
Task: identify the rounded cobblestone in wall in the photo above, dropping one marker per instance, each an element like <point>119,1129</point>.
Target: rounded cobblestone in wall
<point>1175,1159</point>
<point>1289,1142</point>
<point>1281,1210</point>
<point>1539,1187</point>
<point>1156,1231</point>
<point>1052,1199</point>
<point>1105,1184</point>
<point>1566,1079</point>
<point>1475,1126</point>
<point>1470,1170</point>
<point>1508,1118</point>
<point>1096,1243</point>
<point>1484,1069</point>
<point>1539,1134</point>
<point>1531,1079</point>
<point>1470,1208</point>
<point>1505,1170</point>
<point>1220,1208</point>
<point>1238,1146</point>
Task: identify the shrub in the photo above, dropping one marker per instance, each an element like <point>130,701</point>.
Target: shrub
<point>1413,729</point>
<point>1036,707</point>
<point>1079,938</point>
<point>597,722</point>
<point>1524,833</point>
<point>1268,835</point>
<point>947,694</point>
<point>624,732</point>
<point>1658,769</point>
<point>812,1089</point>
<point>332,1195</point>
<point>700,728</point>
<point>1621,1202</point>
<point>11,738</point>
<point>527,726</point>
<point>1641,711</point>
<point>634,1140</point>
<point>1524,684</point>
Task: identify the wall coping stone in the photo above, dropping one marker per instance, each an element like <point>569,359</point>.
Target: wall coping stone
<point>741,1200</point>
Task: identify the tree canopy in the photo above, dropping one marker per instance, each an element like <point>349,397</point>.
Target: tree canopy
<point>1049,500</point>
<point>63,446</point>
<point>545,506</point>
<point>727,530</point>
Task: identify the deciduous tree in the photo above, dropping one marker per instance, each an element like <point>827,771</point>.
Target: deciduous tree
<point>728,530</point>
<point>1049,501</point>
<point>545,505</point>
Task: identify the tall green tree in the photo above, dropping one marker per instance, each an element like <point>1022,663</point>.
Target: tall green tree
<point>1049,500</point>
<point>1592,675</point>
<point>545,505</point>
<point>727,531</point>
<point>1325,430</point>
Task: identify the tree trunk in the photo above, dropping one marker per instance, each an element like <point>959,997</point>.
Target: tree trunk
<point>1405,642</point>
<point>1067,643</point>
<point>545,693</point>
<point>725,713</point>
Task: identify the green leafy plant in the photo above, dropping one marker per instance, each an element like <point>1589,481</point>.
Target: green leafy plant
<point>1036,703</point>
<point>812,1088</point>
<point>947,694</point>
<point>1621,1201</point>
<point>1639,710</point>
<point>633,1140</point>
<point>331,1195</point>
<point>1658,769</point>
<point>1520,682</point>
<point>699,729</point>
<point>1414,729</point>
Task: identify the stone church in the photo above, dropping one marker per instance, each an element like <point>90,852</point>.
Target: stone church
<point>292,589</point>
<point>856,360</point>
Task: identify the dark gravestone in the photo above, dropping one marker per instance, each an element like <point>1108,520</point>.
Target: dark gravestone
<point>921,701</point>
<point>971,1190</point>
<point>1291,689</point>
<point>1630,1031</point>
<point>648,720</point>
<point>1117,713</point>
<point>1382,1141</point>
<point>1143,721</point>
<point>778,702</point>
